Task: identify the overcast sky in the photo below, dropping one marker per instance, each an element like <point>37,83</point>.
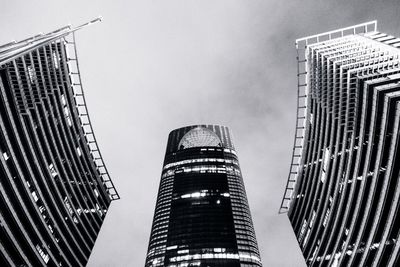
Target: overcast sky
<point>153,66</point>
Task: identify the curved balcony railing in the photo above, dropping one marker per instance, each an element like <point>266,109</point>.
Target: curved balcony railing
<point>85,119</point>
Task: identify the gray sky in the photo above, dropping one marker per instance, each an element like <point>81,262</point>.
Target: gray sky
<point>153,66</point>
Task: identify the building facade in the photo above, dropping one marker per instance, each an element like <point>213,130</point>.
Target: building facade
<point>54,188</point>
<point>202,217</point>
<point>342,195</point>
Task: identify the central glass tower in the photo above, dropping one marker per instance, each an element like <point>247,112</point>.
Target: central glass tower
<point>202,217</point>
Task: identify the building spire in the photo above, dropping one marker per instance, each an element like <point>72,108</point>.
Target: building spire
<point>98,19</point>
<point>10,50</point>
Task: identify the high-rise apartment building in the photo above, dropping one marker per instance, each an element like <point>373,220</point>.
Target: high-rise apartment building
<point>202,217</point>
<point>342,195</point>
<point>54,187</point>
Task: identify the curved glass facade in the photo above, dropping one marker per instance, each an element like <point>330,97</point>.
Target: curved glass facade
<point>202,216</point>
<point>54,188</point>
<point>343,191</point>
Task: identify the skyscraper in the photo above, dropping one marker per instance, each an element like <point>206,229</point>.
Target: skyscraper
<point>54,187</point>
<point>342,195</point>
<point>202,217</point>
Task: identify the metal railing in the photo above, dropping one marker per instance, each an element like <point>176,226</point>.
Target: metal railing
<point>85,119</point>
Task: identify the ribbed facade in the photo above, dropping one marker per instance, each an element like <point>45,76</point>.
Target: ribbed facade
<point>343,190</point>
<point>202,217</point>
<point>54,188</point>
